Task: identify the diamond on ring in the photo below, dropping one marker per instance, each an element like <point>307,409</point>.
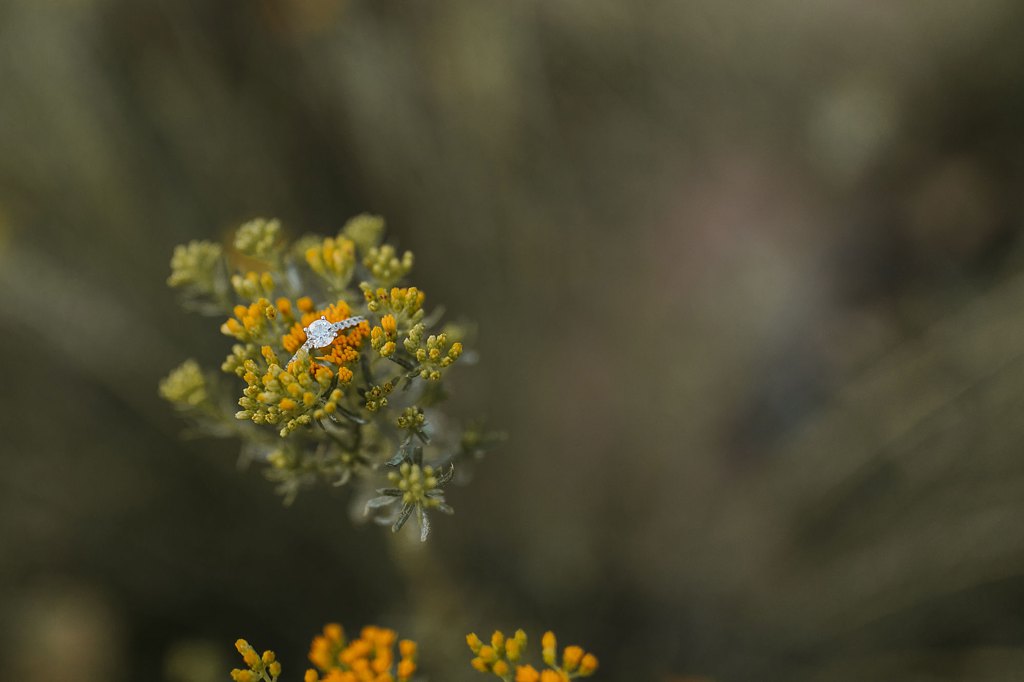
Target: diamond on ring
<point>320,333</point>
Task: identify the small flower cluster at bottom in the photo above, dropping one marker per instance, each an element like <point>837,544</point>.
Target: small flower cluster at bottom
<point>368,658</point>
<point>503,652</point>
<point>260,668</point>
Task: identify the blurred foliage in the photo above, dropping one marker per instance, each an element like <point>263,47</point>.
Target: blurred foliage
<point>747,279</point>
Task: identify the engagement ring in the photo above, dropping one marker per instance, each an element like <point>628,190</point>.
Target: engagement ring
<point>321,333</point>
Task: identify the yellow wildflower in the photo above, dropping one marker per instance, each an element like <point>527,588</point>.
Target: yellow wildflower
<point>433,356</point>
<point>588,665</point>
<point>526,673</point>
<point>549,644</point>
<point>571,657</point>
<point>249,322</point>
<point>194,267</point>
<point>419,486</point>
<point>369,657</point>
<point>258,238</point>
<point>365,230</point>
<point>323,651</point>
<point>340,389</point>
<point>376,397</point>
<point>253,285</point>
<point>185,386</point>
<point>385,266</point>
<point>389,325</point>
<point>575,663</point>
<point>263,667</point>
<point>334,259</point>
<point>284,306</point>
<point>405,303</point>
<point>405,669</point>
<point>413,419</point>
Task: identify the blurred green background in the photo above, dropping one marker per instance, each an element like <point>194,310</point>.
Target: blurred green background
<point>750,292</point>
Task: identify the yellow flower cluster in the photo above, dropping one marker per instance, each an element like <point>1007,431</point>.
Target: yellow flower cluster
<point>253,286</point>
<point>250,322</point>
<point>333,401</point>
<point>411,419</point>
<point>194,265</point>
<point>433,357</point>
<point>416,484</point>
<point>185,386</point>
<point>405,303</point>
<point>499,656</point>
<point>368,658</point>
<point>295,395</point>
<point>258,238</point>
<point>376,396</point>
<point>263,668</point>
<point>277,396</point>
<point>383,338</point>
<point>385,266</point>
<point>334,259</point>
<point>365,230</point>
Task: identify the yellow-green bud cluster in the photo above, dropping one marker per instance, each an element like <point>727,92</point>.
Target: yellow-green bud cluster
<point>365,230</point>
<point>185,386</point>
<point>415,482</point>
<point>258,238</point>
<point>235,363</point>
<point>435,356</point>
<point>193,266</point>
<point>259,668</point>
<point>385,266</point>
<point>406,303</point>
<point>415,338</point>
<point>281,397</point>
<point>253,286</point>
<point>334,259</point>
<point>382,338</point>
<point>412,418</point>
<point>498,656</point>
<point>250,322</point>
<point>376,397</point>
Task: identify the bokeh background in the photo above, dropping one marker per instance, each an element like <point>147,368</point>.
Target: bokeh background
<point>750,292</point>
